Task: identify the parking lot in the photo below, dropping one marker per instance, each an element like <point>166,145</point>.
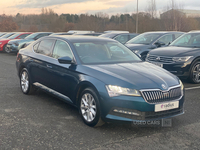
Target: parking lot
<point>41,121</point>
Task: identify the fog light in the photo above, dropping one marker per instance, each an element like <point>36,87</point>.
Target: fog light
<point>126,112</point>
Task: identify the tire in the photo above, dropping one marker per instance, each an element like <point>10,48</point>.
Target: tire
<point>143,57</point>
<point>5,48</point>
<point>25,82</point>
<point>195,73</point>
<point>89,108</point>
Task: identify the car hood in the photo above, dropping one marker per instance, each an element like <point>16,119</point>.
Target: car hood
<point>138,46</point>
<point>142,75</point>
<point>4,40</point>
<point>20,41</point>
<point>173,51</point>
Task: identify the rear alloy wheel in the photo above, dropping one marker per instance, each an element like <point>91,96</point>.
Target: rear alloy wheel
<point>5,48</point>
<point>26,86</point>
<point>89,108</point>
<point>195,73</point>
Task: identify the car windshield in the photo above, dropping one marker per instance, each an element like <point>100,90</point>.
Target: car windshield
<point>146,38</point>
<point>1,34</point>
<point>31,36</point>
<point>7,35</point>
<point>187,40</point>
<point>14,36</point>
<point>104,52</point>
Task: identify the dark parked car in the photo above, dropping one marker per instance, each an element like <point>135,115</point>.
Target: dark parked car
<point>120,37</point>
<point>101,77</point>
<point>14,46</point>
<point>147,41</point>
<point>182,57</point>
<point>60,33</point>
<point>90,34</point>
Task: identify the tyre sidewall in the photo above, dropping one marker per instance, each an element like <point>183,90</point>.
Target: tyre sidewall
<point>98,116</point>
<point>4,48</point>
<point>191,72</point>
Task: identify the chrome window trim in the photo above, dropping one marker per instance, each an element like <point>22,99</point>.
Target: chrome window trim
<point>74,59</point>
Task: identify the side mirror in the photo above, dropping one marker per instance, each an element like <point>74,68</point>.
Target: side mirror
<point>159,44</point>
<point>65,60</point>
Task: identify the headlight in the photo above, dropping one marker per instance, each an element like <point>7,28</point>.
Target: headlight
<point>182,86</point>
<point>117,90</point>
<point>16,44</point>
<point>181,59</point>
<point>0,43</point>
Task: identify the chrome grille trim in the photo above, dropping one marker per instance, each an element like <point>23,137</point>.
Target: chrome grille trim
<point>162,59</point>
<point>155,96</point>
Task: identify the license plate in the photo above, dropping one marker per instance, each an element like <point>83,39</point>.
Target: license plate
<point>166,106</point>
<point>157,64</point>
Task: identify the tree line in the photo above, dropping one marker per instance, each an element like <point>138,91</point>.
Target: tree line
<point>48,20</point>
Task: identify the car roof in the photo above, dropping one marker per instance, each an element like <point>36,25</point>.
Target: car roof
<point>163,32</point>
<point>81,38</point>
<point>194,31</point>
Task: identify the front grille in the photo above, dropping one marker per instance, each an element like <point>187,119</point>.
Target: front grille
<point>158,96</point>
<point>161,59</point>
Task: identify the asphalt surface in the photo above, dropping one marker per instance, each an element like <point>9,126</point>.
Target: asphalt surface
<point>43,122</point>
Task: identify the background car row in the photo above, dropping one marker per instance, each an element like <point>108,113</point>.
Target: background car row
<point>181,57</point>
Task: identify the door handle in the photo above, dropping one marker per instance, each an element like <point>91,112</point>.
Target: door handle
<point>49,66</point>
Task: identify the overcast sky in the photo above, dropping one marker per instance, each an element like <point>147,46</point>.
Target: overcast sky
<point>87,6</point>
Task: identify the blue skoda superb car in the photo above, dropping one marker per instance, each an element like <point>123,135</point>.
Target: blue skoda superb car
<point>101,77</point>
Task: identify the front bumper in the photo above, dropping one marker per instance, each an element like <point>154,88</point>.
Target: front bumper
<point>181,69</point>
<point>12,48</point>
<point>140,108</point>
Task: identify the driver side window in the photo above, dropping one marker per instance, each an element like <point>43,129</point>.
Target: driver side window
<point>166,39</point>
<point>62,49</point>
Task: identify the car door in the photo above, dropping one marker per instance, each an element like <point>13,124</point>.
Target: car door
<point>63,77</point>
<point>40,62</point>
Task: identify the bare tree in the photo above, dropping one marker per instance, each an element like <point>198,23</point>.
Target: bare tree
<point>151,8</point>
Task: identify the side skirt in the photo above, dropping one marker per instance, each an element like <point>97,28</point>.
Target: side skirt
<point>53,92</point>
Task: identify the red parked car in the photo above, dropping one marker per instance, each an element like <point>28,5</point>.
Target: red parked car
<point>19,35</point>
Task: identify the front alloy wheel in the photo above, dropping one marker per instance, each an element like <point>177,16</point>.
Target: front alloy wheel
<point>90,108</point>
<point>25,83</point>
<point>195,73</point>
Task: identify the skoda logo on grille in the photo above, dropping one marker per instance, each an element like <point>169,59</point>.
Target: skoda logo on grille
<point>158,58</point>
<point>164,86</point>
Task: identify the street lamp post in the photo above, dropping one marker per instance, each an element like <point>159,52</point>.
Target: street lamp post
<point>137,19</point>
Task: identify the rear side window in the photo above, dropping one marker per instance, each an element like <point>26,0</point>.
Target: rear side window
<point>35,47</point>
<point>44,47</point>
